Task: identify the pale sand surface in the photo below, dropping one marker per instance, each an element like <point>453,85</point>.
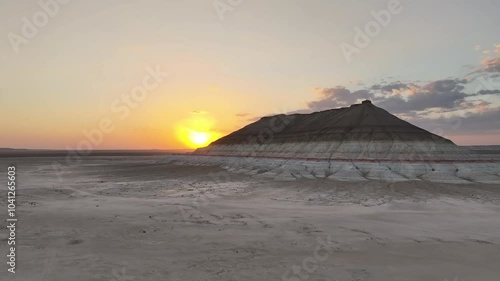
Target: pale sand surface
<point>136,218</point>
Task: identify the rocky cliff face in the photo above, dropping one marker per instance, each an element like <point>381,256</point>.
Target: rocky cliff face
<point>359,132</point>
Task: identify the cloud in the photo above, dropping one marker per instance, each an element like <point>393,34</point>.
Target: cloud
<point>444,86</point>
<point>453,106</point>
<point>446,94</point>
<point>460,111</point>
<point>337,97</point>
<point>242,114</point>
<point>397,86</point>
<point>496,49</point>
<point>490,65</point>
<point>484,122</point>
<point>487,92</point>
<point>417,103</point>
<point>199,112</point>
<point>421,101</point>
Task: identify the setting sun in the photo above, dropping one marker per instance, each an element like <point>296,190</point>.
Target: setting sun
<point>199,139</point>
<point>197,130</point>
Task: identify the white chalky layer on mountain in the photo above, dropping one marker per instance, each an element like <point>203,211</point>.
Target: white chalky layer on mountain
<point>281,169</point>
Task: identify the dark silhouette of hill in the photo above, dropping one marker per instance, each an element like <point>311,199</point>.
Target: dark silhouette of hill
<point>361,131</point>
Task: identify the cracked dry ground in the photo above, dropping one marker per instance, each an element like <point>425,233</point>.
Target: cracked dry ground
<point>117,218</point>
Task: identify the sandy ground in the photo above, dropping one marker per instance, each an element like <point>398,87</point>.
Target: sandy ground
<point>136,218</point>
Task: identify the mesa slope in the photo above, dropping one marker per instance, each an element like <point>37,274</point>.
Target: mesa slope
<point>359,132</point>
<point>358,143</point>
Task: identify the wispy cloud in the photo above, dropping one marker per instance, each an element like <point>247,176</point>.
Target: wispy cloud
<point>429,105</point>
<point>199,112</point>
<point>242,114</point>
<point>490,65</point>
<point>398,97</point>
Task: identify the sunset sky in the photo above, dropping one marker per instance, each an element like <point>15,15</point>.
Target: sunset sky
<point>174,74</point>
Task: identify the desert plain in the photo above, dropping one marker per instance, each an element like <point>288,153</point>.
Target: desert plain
<point>145,218</point>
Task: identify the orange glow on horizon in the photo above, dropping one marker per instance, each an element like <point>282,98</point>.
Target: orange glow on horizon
<point>197,131</point>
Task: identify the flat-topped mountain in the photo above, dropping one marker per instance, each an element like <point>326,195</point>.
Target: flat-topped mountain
<point>361,131</point>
